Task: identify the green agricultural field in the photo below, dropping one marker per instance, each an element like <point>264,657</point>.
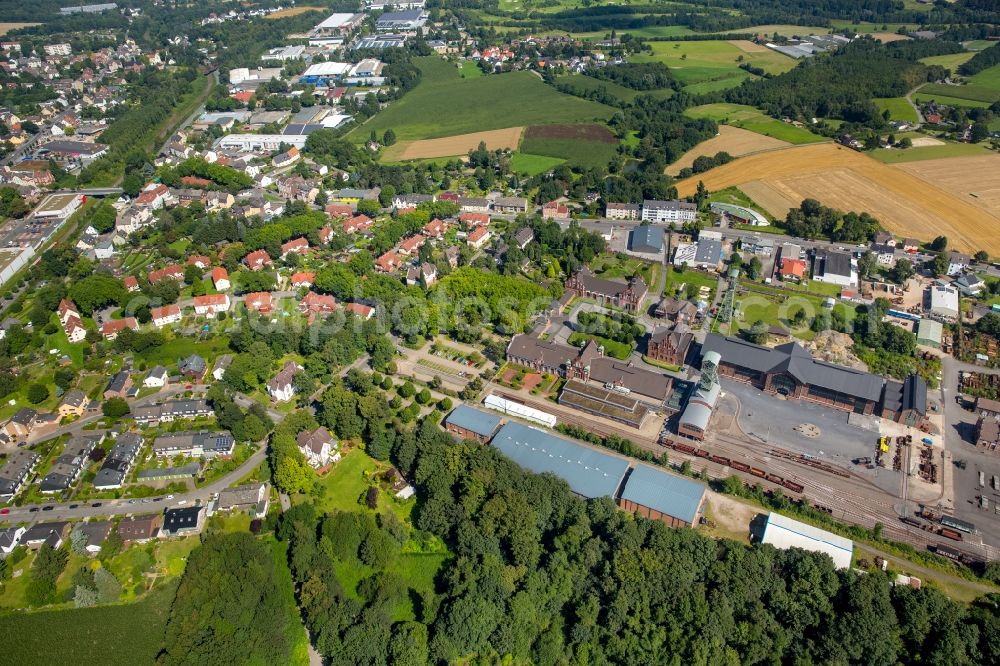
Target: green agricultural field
<point>717,61</point>
<point>972,92</point>
<point>895,156</point>
<point>949,101</point>
<point>898,108</point>
<point>749,118</point>
<point>950,61</point>
<point>586,144</point>
<point>444,104</point>
<point>581,83</point>
<point>989,79</point>
<point>978,44</point>
<point>532,165</point>
<point>124,634</point>
<point>871,27</point>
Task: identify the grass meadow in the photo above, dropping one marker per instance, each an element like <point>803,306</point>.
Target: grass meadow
<point>444,104</point>
<point>716,62</point>
<point>895,156</point>
<point>749,118</point>
<point>527,164</point>
<point>898,108</point>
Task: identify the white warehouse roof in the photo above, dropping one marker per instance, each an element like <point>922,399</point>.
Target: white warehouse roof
<point>334,21</point>
<point>783,532</point>
<point>327,69</point>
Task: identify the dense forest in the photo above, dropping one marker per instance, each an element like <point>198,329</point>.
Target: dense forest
<point>839,85</point>
<point>542,576</point>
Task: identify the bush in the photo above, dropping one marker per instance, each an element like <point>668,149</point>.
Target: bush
<point>37,393</point>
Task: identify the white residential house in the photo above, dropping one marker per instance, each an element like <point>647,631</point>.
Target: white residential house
<point>166,315</point>
<point>281,388</point>
<point>211,304</point>
<point>157,378</point>
<point>319,447</point>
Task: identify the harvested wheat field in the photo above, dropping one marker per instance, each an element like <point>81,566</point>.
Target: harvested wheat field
<point>926,142</point>
<point>293,11</point>
<point>972,179</point>
<point>735,141</point>
<point>906,204</point>
<point>7,27</point>
<point>747,46</point>
<point>451,146</point>
<point>886,37</point>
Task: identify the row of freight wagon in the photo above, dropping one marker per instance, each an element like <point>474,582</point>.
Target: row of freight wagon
<point>734,464</point>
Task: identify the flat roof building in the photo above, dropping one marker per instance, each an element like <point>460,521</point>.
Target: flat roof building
<point>646,238</point>
<point>470,423</point>
<point>944,302</point>
<point>59,205</point>
<point>588,472</point>
<point>783,532</point>
<point>659,495</point>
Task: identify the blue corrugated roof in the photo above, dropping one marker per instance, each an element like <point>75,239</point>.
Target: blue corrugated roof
<point>588,472</point>
<point>664,492</point>
<point>481,423</point>
<point>646,238</point>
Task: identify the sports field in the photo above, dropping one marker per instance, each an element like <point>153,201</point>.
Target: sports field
<point>586,145</point>
<point>906,204</point>
<point>733,140</point>
<point>749,118</point>
<point>444,104</point>
<point>451,146</point>
<point>898,107</point>
<point>715,61</point>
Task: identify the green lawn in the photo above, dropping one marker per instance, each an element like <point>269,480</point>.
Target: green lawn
<point>749,118</point>
<point>124,634</point>
<point>177,348</point>
<point>617,266</point>
<point>691,281</point>
<point>782,29</point>
<point>950,61</point>
<point>612,348</point>
<point>978,44</point>
<point>777,309</point>
<point>470,69</point>
<point>736,197</point>
<point>896,156</point>
<point>898,108</point>
<point>716,61</point>
<point>444,104</point>
<point>531,165</point>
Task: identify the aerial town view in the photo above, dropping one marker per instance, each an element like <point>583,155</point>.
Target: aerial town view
<point>371,332</point>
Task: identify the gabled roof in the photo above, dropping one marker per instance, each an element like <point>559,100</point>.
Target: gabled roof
<point>673,495</point>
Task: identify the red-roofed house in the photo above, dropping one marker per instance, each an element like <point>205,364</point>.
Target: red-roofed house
<point>435,228</point>
<point>472,220</point>
<point>792,269</point>
<point>75,331</point>
<point>357,223</point>
<point>318,303</point>
<point>258,301</point>
<point>339,209</point>
<point>67,309</point>
<point>172,271</point>
<point>113,327</point>
<point>131,284</point>
<point>257,260</point>
<point>211,304</point>
<point>199,260</point>
<point>411,244</point>
<point>166,315</point>
<point>325,234</point>
<point>363,311</point>
<point>242,96</point>
<point>388,262</point>
<point>298,246</point>
<point>303,279</point>
<point>554,210</point>
<point>220,277</point>
<point>479,237</point>
<point>153,197</point>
